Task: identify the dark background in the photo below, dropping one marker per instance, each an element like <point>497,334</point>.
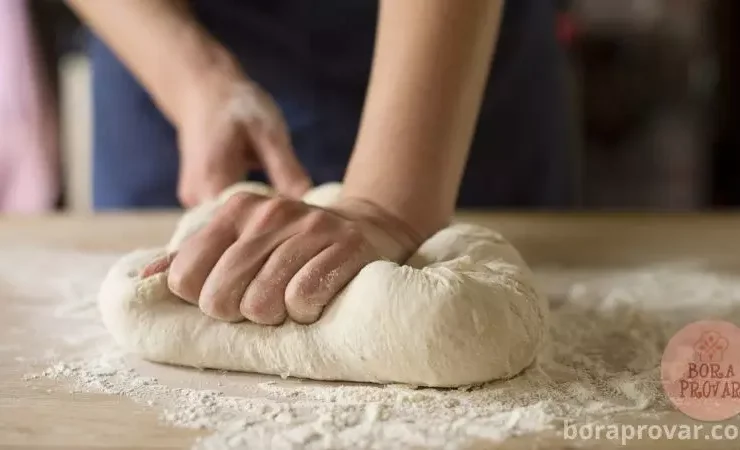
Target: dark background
<point>654,85</point>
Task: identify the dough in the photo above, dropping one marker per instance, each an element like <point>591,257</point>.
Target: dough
<point>463,310</point>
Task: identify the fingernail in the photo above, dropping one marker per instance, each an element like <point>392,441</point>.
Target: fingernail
<point>159,265</point>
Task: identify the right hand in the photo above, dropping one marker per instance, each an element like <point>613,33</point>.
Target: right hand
<point>230,126</point>
<point>269,258</point>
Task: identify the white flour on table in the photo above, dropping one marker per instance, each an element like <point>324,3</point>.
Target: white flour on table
<point>608,330</point>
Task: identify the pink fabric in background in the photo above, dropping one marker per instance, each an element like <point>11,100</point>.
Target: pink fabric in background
<point>29,180</point>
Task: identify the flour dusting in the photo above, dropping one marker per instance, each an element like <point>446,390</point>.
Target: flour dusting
<point>608,331</point>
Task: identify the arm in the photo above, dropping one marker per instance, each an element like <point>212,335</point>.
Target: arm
<point>226,124</point>
<point>161,43</point>
<point>429,72</point>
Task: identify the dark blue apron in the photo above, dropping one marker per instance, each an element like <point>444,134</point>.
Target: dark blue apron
<point>314,57</point>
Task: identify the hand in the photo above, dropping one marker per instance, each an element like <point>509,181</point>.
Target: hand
<point>268,258</point>
<point>231,126</point>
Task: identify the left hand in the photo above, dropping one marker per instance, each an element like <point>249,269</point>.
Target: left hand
<point>227,128</point>
<point>268,258</point>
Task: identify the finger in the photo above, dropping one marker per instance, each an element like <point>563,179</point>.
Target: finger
<point>195,260</point>
<point>266,226</point>
<point>313,287</point>
<point>271,215</point>
<point>200,252</point>
<point>209,169</point>
<point>159,265</point>
<point>264,300</point>
<point>227,282</point>
<point>281,164</point>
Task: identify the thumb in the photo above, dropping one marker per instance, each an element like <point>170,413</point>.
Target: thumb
<point>282,166</point>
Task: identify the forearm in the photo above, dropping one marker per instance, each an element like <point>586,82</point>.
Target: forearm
<point>161,43</point>
<point>429,73</point>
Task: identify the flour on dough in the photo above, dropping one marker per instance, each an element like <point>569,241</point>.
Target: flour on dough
<point>463,310</point>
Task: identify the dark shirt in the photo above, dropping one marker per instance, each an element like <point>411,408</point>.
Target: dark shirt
<point>314,57</point>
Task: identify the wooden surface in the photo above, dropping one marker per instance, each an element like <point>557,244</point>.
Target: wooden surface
<point>46,415</point>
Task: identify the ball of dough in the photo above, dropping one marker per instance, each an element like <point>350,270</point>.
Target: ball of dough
<point>463,310</point>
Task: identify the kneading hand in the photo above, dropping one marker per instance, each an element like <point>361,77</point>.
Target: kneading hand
<point>268,258</point>
<point>231,126</point>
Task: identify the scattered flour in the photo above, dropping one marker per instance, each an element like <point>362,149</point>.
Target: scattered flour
<point>607,334</point>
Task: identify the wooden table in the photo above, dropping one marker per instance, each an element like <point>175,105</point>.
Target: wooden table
<point>45,415</point>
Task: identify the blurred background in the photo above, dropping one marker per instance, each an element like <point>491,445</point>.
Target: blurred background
<point>653,82</point>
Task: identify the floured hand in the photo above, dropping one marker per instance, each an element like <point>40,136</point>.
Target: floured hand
<point>268,258</point>
<point>231,126</point>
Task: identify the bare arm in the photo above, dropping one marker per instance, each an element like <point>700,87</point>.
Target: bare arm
<point>160,42</point>
<point>429,72</point>
<point>226,124</point>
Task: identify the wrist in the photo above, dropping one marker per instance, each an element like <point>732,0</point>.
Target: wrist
<point>207,73</point>
<point>425,216</point>
<point>380,218</point>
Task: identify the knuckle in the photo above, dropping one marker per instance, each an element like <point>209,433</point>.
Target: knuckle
<point>276,206</point>
<point>304,292</point>
<point>354,234</point>
<point>234,209</point>
<point>353,238</point>
<point>272,210</point>
<point>237,202</point>
<point>317,220</point>
<point>254,123</point>
<point>200,239</point>
<point>263,309</point>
